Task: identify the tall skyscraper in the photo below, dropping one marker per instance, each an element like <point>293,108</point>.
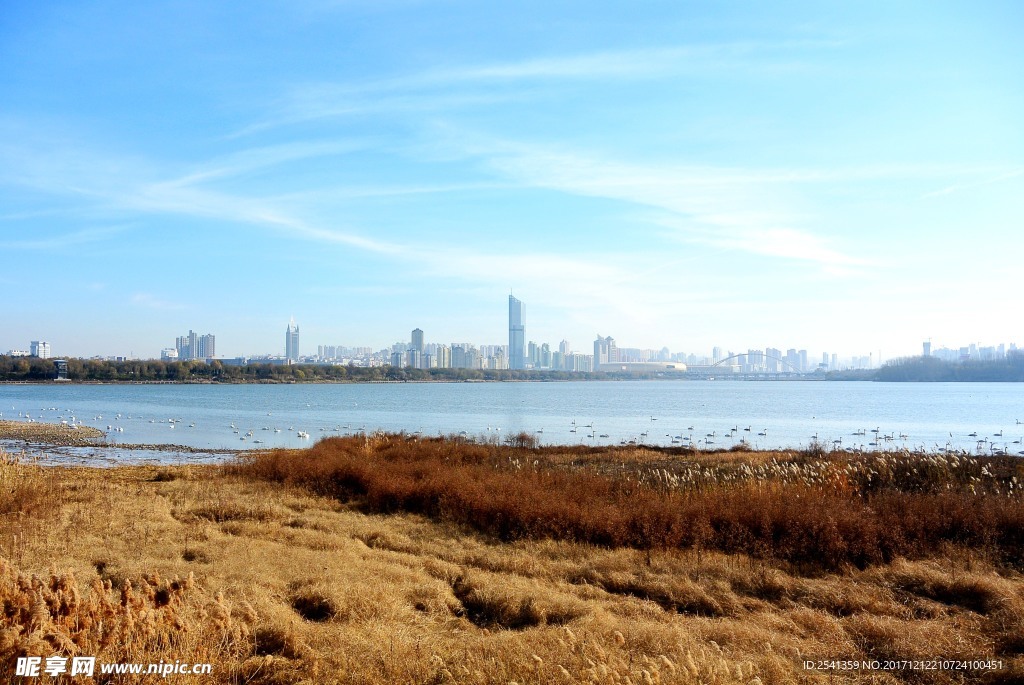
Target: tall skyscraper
<point>417,340</point>
<point>291,341</point>
<point>516,334</point>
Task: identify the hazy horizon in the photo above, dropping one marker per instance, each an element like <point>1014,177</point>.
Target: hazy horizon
<point>844,179</point>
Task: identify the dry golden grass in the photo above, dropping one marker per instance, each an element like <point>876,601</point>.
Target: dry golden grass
<point>273,584</point>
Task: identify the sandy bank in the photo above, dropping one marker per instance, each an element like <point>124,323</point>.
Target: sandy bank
<point>51,433</point>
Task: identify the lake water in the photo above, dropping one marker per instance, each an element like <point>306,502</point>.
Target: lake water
<point>780,414</point>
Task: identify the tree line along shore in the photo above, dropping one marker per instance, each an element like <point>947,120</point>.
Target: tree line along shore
<point>31,369</point>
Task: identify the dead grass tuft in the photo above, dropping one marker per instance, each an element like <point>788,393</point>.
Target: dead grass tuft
<point>983,594</point>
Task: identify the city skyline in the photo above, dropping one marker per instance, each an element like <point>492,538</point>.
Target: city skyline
<point>522,353</point>
<point>843,178</point>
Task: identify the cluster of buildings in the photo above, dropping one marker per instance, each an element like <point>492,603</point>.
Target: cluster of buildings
<point>972,352</point>
<point>190,347</point>
<point>37,348</point>
<point>523,354</point>
<point>518,354</point>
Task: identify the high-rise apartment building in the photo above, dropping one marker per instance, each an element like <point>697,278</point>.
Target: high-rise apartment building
<point>40,348</point>
<point>193,346</point>
<point>183,344</point>
<point>443,355</point>
<point>206,347</point>
<point>416,342</point>
<point>465,356</point>
<point>605,351</point>
<point>291,341</point>
<point>581,363</point>
<point>516,334</point>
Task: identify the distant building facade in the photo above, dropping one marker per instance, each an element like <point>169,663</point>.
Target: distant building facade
<point>516,334</point>
<point>291,341</point>
<point>39,348</point>
<point>193,346</point>
<point>605,351</point>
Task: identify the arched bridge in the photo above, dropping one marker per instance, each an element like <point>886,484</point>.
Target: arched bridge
<point>763,356</point>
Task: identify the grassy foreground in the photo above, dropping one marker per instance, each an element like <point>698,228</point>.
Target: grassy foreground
<point>394,560</point>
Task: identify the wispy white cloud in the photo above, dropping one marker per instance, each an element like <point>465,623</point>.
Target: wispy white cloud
<point>458,87</point>
<point>65,240</point>
<point>316,102</point>
<point>626,63</point>
<point>989,180</point>
<point>735,209</point>
<point>150,301</point>
<point>257,159</point>
<point>173,197</point>
<point>354,192</point>
<point>109,184</point>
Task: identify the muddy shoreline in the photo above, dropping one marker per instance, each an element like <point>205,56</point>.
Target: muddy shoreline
<point>60,443</point>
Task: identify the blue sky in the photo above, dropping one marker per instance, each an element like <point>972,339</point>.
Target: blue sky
<point>838,177</point>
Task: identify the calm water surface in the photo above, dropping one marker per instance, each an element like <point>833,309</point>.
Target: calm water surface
<point>778,414</point>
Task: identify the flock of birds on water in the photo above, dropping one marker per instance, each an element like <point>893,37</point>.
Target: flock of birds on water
<point>877,440</point>
<point>73,422</point>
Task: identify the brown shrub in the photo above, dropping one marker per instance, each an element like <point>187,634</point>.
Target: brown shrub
<point>512,493</point>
